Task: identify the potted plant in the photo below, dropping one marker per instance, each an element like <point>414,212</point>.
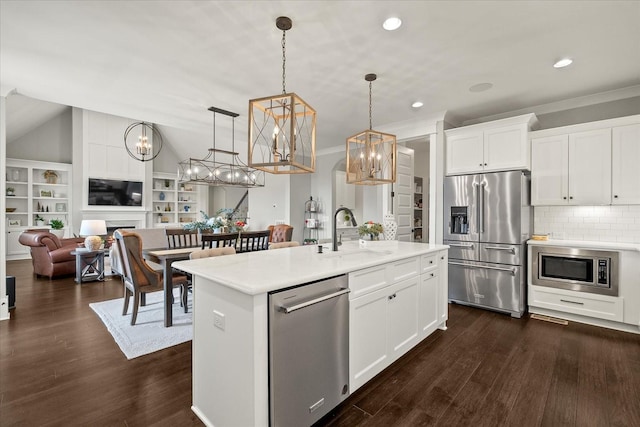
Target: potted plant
<point>57,227</point>
<point>38,220</point>
<point>370,228</point>
<point>50,176</point>
<point>11,191</point>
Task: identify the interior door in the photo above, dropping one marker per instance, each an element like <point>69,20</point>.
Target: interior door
<point>403,198</point>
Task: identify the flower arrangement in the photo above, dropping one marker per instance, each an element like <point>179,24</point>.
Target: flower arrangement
<point>222,219</point>
<point>240,225</point>
<point>373,229</point>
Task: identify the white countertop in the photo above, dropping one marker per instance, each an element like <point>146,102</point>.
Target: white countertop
<point>259,272</point>
<point>587,244</point>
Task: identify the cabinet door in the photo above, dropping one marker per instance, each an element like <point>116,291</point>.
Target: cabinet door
<point>506,148</point>
<point>443,288</point>
<point>590,167</point>
<point>402,326</point>
<point>15,249</point>
<point>550,170</point>
<point>625,165</point>
<point>465,153</point>
<point>428,303</point>
<point>367,337</point>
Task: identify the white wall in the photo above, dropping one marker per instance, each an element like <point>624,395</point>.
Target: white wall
<point>269,203</point>
<point>49,142</point>
<point>4,300</point>
<point>600,223</point>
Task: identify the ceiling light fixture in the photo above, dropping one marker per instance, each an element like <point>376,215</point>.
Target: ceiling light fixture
<point>417,104</point>
<point>371,155</point>
<point>214,172</point>
<point>392,23</point>
<point>282,128</point>
<point>564,62</point>
<point>147,145</point>
<point>480,87</point>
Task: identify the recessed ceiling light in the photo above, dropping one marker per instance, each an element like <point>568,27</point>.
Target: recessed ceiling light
<point>392,23</point>
<point>417,104</point>
<point>564,62</point>
<point>480,87</point>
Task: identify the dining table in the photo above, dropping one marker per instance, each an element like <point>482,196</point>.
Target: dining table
<point>165,257</point>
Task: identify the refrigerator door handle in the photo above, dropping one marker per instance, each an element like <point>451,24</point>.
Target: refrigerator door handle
<point>496,248</point>
<point>481,203</point>
<point>486,267</point>
<point>461,245</point>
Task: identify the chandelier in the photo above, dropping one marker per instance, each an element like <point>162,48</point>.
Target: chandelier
<point>371,155</point>
<point>282,128</point>
<point>221,168</point>
<point>143,149</point>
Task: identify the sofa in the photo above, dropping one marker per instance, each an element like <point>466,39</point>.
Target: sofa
<point>151,238</point>
<point>50,255</point>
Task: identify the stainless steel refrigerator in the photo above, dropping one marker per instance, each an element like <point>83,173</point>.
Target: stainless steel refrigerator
<point>488,219</point>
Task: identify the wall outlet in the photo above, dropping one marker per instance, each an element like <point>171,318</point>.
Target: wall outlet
<point>218,320</point>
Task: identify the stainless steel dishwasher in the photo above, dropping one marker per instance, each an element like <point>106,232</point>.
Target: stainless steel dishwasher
<point>308,351</point>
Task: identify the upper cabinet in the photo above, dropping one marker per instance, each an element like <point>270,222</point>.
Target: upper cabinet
<point>625,165</point>
<point>493,146</point>
<point>589,164</point>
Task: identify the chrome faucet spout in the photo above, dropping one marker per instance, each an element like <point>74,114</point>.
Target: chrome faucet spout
<point>334,240</point>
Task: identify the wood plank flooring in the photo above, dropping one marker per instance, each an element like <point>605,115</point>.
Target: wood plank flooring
<point>60,366</point>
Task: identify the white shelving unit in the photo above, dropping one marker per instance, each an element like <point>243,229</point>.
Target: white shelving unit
<point>40,190</point>
<point>174,204</point>
<point>418,211</point>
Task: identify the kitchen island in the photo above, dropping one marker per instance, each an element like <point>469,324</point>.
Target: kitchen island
<point>398,297</point>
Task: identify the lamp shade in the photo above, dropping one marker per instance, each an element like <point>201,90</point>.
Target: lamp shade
<point>93,227</point>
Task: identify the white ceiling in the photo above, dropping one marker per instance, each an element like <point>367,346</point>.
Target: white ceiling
<point>168,61</point>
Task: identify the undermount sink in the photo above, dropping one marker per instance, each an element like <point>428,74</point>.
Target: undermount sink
<point>354,252</point>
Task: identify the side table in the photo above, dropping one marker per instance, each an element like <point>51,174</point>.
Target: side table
<point>89,265</point>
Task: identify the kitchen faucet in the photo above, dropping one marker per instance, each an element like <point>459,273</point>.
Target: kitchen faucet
<point>335,216</point>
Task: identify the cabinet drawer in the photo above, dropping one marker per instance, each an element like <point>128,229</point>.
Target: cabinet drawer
<point>403,269</point>
<point>429,262</point>
<point>362,282</point>
<point>591,305</point>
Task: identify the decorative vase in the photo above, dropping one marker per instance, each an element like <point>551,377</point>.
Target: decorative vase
<point>92,243</point>
<point>161,196</point>
<point>390,227</point>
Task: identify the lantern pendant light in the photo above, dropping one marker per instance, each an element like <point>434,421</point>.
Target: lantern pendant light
<point>282,128</point>
<point>371,155</point>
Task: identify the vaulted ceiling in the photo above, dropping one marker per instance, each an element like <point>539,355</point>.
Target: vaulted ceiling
<point>168,61</point>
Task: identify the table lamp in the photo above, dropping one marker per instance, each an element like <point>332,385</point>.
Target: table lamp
<point>93,229</point>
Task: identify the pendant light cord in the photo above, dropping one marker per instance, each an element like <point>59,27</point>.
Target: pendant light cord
<point>370,108</point>
<point>284,60</point>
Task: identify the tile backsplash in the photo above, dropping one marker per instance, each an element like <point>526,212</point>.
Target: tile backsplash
<point>600,223</point>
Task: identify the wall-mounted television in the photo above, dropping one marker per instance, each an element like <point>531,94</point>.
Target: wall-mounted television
<point>111,192</point>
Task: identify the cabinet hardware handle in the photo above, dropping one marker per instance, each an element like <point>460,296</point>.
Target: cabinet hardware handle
<point>480,164</point>
<point>442,257</point>
<point>513,271</point>
<point>432,274</point>
<point>430,261</point>
<point>485,164</point>
<point>615,196</point>
<point>571,197</point>
<point>572,302</point>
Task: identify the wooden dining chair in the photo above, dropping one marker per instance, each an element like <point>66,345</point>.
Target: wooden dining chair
<point>218,240</point>
<point>181,238</point>
<point>253,241</point>
<point>139,278</point>
<point>280,233</point>
<point>212,252</point>
<point>280,245</point>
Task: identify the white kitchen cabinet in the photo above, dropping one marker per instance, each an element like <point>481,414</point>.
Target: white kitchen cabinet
<point>493,146</point>
<point>625,165</point>
<point>571,169</point>
<point>15,250</point>
<point>443,289</point>
<point>393,307</point>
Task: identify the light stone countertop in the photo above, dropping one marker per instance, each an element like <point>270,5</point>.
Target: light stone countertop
<point>591,244</point>
<point>259,272</point>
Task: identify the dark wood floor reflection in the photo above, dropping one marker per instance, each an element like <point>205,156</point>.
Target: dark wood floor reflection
<point>60,366</point>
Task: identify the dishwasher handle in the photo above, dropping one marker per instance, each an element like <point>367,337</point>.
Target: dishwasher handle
<point>288,309</point>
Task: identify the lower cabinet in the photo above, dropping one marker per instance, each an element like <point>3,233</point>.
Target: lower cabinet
<point>15,250</point>
<point>387,322</point>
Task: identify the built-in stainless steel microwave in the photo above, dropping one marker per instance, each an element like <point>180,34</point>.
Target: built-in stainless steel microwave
<point>576,269</point>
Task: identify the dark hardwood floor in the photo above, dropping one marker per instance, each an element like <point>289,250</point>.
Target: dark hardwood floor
<point>60,366</point>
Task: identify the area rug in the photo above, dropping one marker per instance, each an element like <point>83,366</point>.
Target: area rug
<point>148,334</point>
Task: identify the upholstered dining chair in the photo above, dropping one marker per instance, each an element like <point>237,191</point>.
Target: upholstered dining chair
<point>181,238</point>
<point>217,240</point>
<point>280,233</point>
<point>253,241</point>
<point>139,278</point>
<point>212,252</point>
<point>281,245</point>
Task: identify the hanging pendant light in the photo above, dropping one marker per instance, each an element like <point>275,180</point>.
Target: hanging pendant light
<point>213,171</point>
<point>371,155</point>
<point>282,128</point>
<point>148,144</point>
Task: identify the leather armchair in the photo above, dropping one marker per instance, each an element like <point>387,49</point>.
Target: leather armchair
<point>50,255</point>
<point>280,233</point>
